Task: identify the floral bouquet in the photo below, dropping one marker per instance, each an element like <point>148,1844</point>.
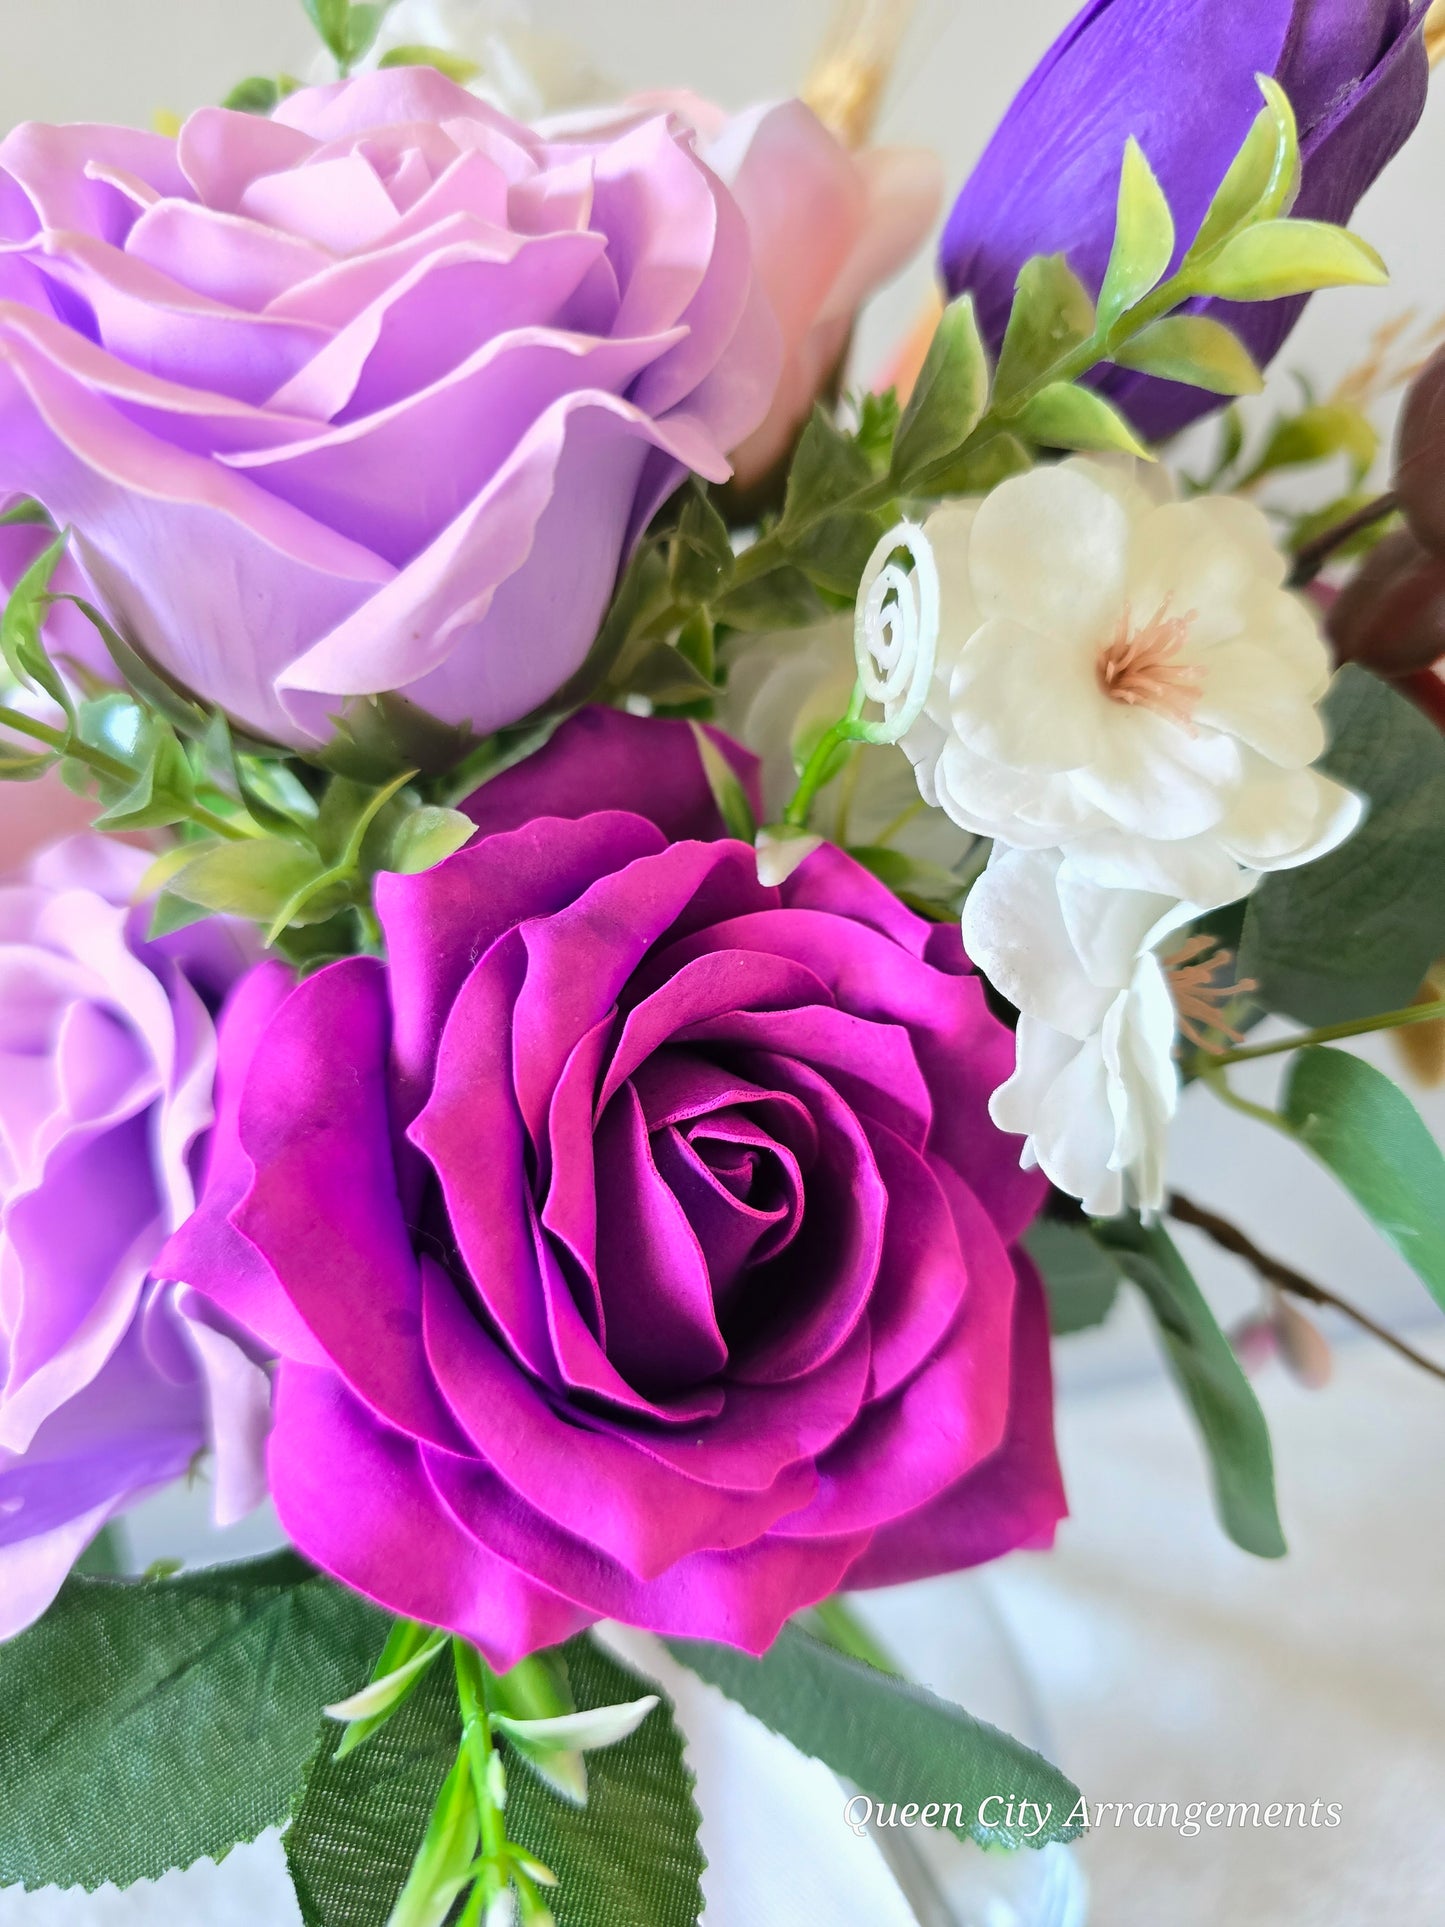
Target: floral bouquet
<point>637,915</point>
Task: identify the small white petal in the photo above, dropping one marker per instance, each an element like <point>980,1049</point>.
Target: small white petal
<point>578,1732</point>
<point>1049,551</point>
<point>1014,931</point>
<point>782,851</point>
<point>1029,700</point>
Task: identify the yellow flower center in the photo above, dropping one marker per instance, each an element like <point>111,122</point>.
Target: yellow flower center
<point>1141,667</point>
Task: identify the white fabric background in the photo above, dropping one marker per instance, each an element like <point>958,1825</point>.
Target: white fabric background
<point>1169,1666</point>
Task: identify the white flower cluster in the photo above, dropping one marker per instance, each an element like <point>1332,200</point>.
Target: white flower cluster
<point>1125,700</point>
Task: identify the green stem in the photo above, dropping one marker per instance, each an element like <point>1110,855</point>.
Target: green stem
<point>1215,1079</point>
<point>1326,1034</point>
<point>65,743</point>
<point>479,1751</point>
<point>838,1625</point>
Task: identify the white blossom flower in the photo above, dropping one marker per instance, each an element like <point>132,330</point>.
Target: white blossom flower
<point>783,691</point>
<point>1104,980</point>
<point>1127,676</point>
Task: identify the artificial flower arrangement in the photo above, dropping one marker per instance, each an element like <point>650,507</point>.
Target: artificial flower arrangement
<point>661,911</point>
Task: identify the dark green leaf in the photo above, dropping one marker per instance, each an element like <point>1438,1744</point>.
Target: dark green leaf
<point>828,468</point>
<point>146,1725</point>
<point>702,554</point>
<point>1356,931</point>
<point>697,645</point>
<point>1064,415</point>
<point>974,471</point>
<point>377,737</point>
<point>628,1859</point>
<point>1081,1278</point>
<point>1315,435</point>
<point>781,599</point>
<point>1191,348</point>
<point>1051,316</point>
<point>892,1740</point>
<point>1362,1127</point>
<point>835,551</point>
<point>258,95</point>
<point>948,398</point>
<point>1207,1372</point>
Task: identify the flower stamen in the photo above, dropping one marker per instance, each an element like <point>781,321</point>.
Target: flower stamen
<point>1200,994</point>
<point>1141,667</point>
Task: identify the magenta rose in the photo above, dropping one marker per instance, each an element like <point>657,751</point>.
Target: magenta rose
<point>635,1243</point>
<point>112,1379</point>
<point>371,396</point>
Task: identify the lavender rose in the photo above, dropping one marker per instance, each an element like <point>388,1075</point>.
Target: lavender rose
<point>637,1242</point>
<point>1180,76</point>
<point>111,1380</point>
<point>372,396</point>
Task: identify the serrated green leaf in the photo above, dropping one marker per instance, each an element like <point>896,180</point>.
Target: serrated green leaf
<point>446,61</point>
<point>1203,1365</point>
<point>254,878</point>
<point>1287,257</point>
<point>828,468</point>
<point>1362,1127</point>
<point>781,599</point>
<point>977,470</point>
<point>1355,931</point>
<point>1081,1278</point>
<point>174,913</point>
<point>949,397</point>
<point>1143,238</point>
<point>1193,348</point>
<point>1064,415</point>
<point>1263,178</point>
<point>892,1740</point>
<point>258,95</point>
<point>331,19</point>
<point>629,1858</point>
<point>1051,316</point>
<point>834,552</point>
<point>427,837</point>
<point>194,1704</point>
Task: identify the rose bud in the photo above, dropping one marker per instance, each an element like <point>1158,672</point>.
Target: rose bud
<point>1391,615</point>
<point>1420,455</point>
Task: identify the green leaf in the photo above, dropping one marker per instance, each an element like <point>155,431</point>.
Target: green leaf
<point>1316,434</point>
<point>258,95</point>
<point>1287,257</point>
<point>21,643</point>
<point>697,645</point>
<point>701,554</point>
<point>409,1650</point>
<point>1362,1127</point>
<point>949,397</point>
<point>1194,349</point>
<point>728,793</point>
<point>252,879</point>
<point>974,471</point>
<point>835,551</point>
<point>1204,1367</point>
<point>439,1872</point>
<point>1064,415</point>
<point>26,513</point>
<point>1263,178</point>
<point>362,27</point>
<point>781,599</point>
<point>629,1858</point>
<point>332,20</point>
<point>1355,931</point>
<point>912,878</point>
<point>893,1740</point>
<point>164,786</point>
<point>1051,316</point>
<point>454,65</point>
<point>1080,1277</point>
<point>147,1725</point>
<point>1143,238</point>
<point>828,468</point>
<point>427,837</point>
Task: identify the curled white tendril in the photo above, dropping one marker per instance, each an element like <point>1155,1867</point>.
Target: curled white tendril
<point>895,630</point>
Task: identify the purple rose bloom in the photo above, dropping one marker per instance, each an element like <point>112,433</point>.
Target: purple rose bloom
<point>1180,76</point>
<point>111,1379</point>
<point>636,1243</point>
<point>374,395</point>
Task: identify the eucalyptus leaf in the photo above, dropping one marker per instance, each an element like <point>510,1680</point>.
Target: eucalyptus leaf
<point>1193,349</point>
<point>1064,415</point>
<point>1052,315</point>
<point>1355,931</point>
<point>1203,1365</point>
<point>1081,1278</point>
<point>949,397</point>
<point>149,1724</point>
<point>1287,257</point>
<point>892,1740</point>
<point>1364,1129</point>
<point>1143,238</point>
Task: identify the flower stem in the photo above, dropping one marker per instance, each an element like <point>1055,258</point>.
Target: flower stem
<point>1231,1239</point>
<point>1203,1061</point>
<point>480,1757</point>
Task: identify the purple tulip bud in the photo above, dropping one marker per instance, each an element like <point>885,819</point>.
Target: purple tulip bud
<point>1180,76</point>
